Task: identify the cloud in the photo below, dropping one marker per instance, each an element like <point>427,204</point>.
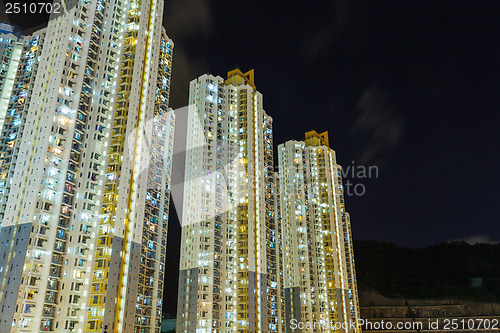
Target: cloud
<point>187,21</point>
<point>189,17</point>
<point>3,13</point>
<point>321,35</point>
<point>185,68</point>
<point>377,119</point>
<point>337,22</point>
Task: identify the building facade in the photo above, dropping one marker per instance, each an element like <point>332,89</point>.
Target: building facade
<point>230,274</point>
<point>320,280</point>
<point>11,47</point>
<point>86,150</point>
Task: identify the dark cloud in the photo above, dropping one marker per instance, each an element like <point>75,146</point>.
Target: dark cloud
<point>189,18</point>
<point>187,21</point>
<point>333,20</point>
<point>3,16</point>
<point>377,119</point>
<point>186,67</point>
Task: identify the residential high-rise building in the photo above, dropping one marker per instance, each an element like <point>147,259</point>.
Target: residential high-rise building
<point>10,53</point>
<point>230,271</point>
<point>320,280</point>
<point>85,155</point>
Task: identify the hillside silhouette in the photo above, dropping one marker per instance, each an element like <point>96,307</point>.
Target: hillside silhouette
<point>453,270</point>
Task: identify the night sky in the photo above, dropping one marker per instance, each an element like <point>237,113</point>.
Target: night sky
<point>410,87</point>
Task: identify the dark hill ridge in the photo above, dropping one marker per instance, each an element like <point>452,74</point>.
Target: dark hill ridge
<point>453,270</point>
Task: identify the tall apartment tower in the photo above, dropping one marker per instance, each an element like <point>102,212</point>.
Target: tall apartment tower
<point>230,277</point>
<point>10,55</point>
<point>320,280</point>
<point>85,155</point>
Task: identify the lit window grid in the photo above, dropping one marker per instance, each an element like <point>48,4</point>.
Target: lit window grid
<point>55,171</point>
<point>243,109</point>
<point>312,168</point>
